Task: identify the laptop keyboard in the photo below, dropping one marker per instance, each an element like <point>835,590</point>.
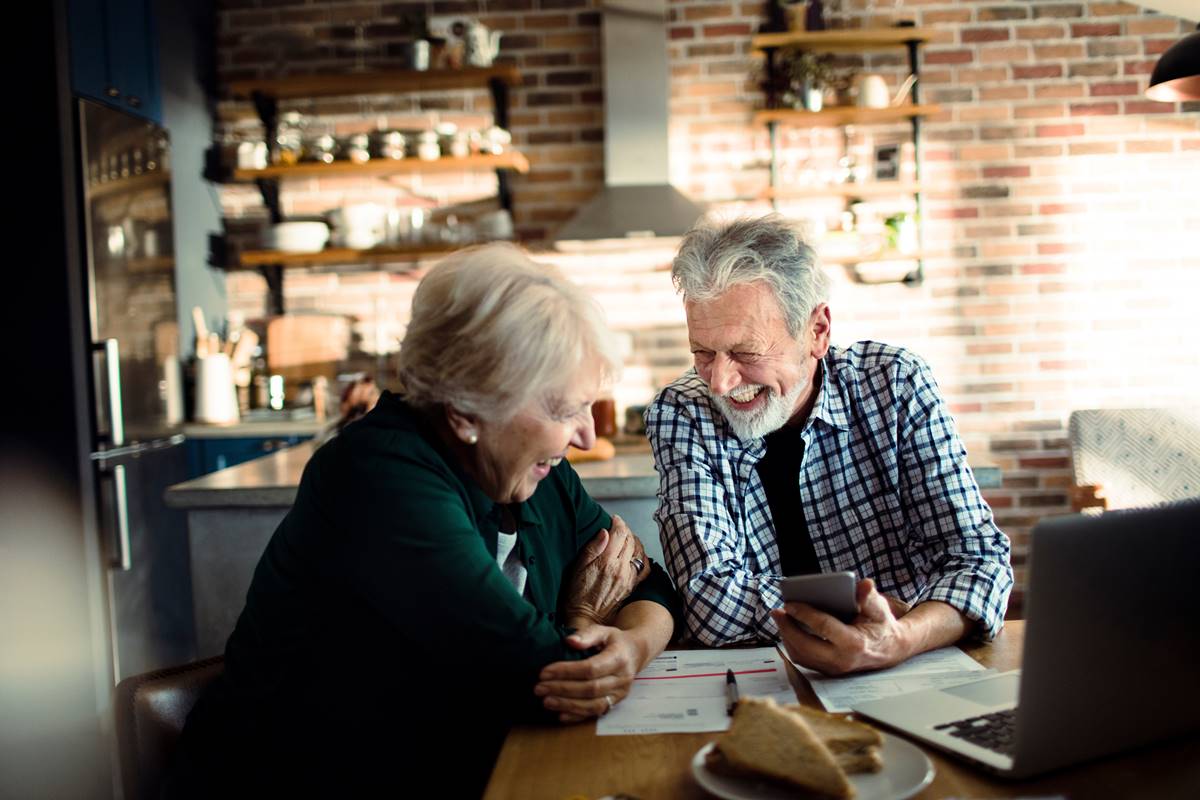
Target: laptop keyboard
<point>991,731</point>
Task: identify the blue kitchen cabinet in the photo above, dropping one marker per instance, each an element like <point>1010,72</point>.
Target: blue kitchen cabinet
<point>207,455</point>
<point>114,54</point>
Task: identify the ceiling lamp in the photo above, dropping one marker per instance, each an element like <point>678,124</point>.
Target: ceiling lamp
<point>1176,76</point>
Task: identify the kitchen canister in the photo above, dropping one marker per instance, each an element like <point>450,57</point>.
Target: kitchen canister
<point>216,397</point>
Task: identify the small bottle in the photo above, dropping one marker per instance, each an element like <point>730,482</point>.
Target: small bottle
<point>259,380</point>
<point>604,416</point>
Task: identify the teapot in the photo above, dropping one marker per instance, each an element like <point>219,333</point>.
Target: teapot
<point>480,45</point>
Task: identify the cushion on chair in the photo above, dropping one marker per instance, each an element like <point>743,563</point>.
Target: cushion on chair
<point>1137,456</point>
<point>150,712</point>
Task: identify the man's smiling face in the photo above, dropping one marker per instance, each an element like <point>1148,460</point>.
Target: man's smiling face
<point>759,375</point>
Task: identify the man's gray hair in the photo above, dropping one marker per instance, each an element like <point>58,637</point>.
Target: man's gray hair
<point>716,256</point>
<point>491,330</point>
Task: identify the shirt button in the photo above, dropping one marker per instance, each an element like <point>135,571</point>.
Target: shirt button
<point>532,561</point>
<point>552,615</point>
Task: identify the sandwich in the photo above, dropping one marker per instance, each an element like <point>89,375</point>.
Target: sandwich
<point>796,746</point>
<point>854,744</point>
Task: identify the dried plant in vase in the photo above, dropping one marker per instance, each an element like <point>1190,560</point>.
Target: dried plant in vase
<point>809,75</point>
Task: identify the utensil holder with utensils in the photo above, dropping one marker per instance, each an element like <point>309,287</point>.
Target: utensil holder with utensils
<point>216,398</point>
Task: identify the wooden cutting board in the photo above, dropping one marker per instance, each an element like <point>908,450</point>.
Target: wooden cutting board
<point>302,346</point>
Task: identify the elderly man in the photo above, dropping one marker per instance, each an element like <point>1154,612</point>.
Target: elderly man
<point>780,454</point>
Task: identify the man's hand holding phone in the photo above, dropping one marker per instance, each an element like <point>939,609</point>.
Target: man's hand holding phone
<point>835,624</point>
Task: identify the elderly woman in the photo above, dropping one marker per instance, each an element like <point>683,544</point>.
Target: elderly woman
<point>442,573</point>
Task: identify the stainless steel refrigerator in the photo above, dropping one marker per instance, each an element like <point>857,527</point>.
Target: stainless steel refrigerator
<point>135,387</point>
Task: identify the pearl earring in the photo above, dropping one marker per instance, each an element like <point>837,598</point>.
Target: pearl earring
<point>472,438</point>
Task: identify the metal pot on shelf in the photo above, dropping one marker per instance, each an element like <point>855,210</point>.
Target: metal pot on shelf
<point>360,226</point>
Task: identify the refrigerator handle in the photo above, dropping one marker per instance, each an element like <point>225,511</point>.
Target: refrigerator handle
<point>124,557</point>
<point>112,366</point>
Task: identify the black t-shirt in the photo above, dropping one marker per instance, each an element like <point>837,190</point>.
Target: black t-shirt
<point>779,471</point>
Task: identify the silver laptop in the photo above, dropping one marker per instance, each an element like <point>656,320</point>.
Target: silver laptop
<point>1111,655</point>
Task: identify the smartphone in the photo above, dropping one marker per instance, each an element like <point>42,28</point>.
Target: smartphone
<point>831,592</point>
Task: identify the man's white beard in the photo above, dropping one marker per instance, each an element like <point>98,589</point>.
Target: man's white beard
<point>768,418</point>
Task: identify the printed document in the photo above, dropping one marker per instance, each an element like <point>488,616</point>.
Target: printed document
<point>683,691</point>
<point>936,669</point>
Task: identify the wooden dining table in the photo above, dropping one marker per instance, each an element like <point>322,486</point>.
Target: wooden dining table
<point>571,762</point>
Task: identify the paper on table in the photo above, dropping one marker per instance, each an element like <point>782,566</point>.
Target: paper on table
<point>683,691</point>
<point>946,666</point>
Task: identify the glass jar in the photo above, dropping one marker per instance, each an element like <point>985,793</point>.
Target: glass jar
<point>460,144</point>
<point>428,148</point>
<point>288,139</point>
<point>496,140</point>
<point>320,149</point>
<point>391,145</point>
<point>358,148</point>
<point>252,155</point>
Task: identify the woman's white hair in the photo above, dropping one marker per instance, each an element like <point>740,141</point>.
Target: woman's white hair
<point>716,256</point>
<point>492,330</point>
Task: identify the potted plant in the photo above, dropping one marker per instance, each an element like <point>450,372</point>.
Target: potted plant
<point>809,75</point>
<point>414,28</point>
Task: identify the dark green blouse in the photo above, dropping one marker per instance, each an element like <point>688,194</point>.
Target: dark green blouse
<point>378,605</point>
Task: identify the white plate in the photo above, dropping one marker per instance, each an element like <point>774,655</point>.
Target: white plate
<point>906,771</point>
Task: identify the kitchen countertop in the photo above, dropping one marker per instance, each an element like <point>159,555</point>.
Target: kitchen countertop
<point>271,481</point>
<point>255,429</point>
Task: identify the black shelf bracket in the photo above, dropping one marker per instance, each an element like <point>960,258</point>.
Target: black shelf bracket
<point>770,80</point>
<point>269,189</point>
<point>273,275</point>
<point>499,90</point>
<point>917,277</point>
<point>267,108</point>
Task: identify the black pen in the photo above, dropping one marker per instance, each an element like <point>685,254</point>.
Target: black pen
<point>731,692</point>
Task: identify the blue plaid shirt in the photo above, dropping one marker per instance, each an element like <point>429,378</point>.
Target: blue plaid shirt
<point>884,484</point>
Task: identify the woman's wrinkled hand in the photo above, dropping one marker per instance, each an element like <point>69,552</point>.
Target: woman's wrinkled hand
<point>604,576</point>
<point>579,690</point>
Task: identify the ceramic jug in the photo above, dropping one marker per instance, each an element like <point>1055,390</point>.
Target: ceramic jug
<point>871,91</point>
<point>481,46</point>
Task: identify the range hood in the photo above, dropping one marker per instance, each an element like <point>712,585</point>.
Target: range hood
<point>637,201</point>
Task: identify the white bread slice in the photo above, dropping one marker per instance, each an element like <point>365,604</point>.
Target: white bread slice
<point>768,740</point>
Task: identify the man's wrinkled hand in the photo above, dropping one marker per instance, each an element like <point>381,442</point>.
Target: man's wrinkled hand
<point>873,640</point>
<point>580,690</point>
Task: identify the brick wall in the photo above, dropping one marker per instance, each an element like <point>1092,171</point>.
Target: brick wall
<point>1062,218</point>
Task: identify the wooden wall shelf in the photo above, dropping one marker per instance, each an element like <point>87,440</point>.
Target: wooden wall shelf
<point>265,93</point>
<point>863,190</point>
<point>385,166</point>
<point>391,82</point>
<point>130,185</point>
<point>909,39</point>
<point>152,264</point>
<point>252,259</point>
<point>844,115</point>
<point>872,258</point>
<point>843,40</point>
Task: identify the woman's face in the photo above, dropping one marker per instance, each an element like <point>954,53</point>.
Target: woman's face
<point>510,458</point>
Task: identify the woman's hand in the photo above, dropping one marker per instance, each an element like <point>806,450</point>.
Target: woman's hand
<point>605,575</point>
<point>580,690</point>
